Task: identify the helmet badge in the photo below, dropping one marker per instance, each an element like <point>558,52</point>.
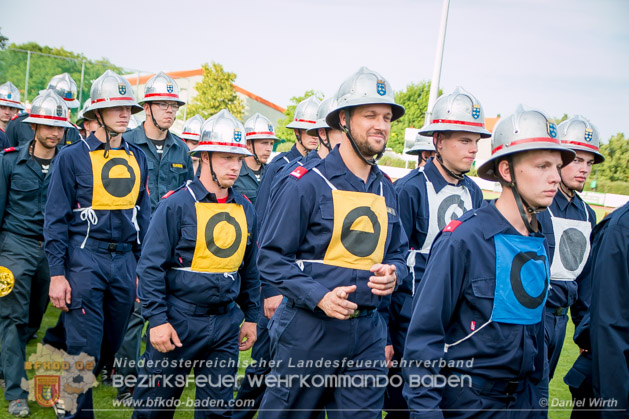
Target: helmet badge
<point>122,89</point>
<point>169,87</point>
<point>475,111</point>
<point>588,135</point>
<point>381,87</point>
<point>237,135</point>
<point>270,128</point>
<point>59,110</point>
<point>552,129</point>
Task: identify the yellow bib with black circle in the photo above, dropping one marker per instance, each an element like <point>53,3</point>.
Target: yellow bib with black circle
<point>221,237</point>
<point>360,230</point>
<point>116,180</point>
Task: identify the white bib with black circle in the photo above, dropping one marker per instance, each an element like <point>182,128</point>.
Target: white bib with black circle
<point>447,205</point>
<point>572,246</point>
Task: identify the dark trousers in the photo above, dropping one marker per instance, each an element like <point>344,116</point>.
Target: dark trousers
<point>23,308</point>
<point>300,337</point>
<point>211,341</point>
<point>103,291</point>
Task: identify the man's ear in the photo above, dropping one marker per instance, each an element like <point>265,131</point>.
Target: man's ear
<point>503,170</point>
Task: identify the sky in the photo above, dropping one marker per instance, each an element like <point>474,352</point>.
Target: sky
<point>560,56</point>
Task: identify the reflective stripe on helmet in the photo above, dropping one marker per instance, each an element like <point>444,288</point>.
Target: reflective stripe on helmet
<point>56,118</point>
<point>593,147</point>
<point>112,98</point>
<point>162,94</point>
<point>222,143</point>
<point>528,140</point>
<point>259,133</point>
<point>451,121</point>
<point>190,133</point>
<point>305,120</point>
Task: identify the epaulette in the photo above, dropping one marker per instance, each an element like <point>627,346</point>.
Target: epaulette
<point>387,176</point>
<point>247,198</point>
<point>298,172</point>
<point>452,225</point>
<point>16,116</point>
<point>167,194</point>
<point>9,149</point>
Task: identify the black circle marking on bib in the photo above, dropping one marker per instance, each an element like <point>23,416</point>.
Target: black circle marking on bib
<point>520,293</point>
<point>118,187</point>
<point>572,245</point>
<point>209,235</point>
<point>445,205</point>
<point>360,243</point>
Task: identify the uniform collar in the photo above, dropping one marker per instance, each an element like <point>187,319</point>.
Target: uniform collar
<point>436,178</point>
<point>293,153</point>
<point>497,223</point>
<point>139,135</point>
<point>563,202</point>
<point>24,152</point>
<point>245,170</point>
<point>94,143</point>
<point>203,195</point>
<point>335,167</point>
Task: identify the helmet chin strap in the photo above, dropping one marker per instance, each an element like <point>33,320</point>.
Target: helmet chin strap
<point>326,142</point>
<point>457,176</point>
<point>108,133</point>
<point>153,119</point>
<point>523,207</point>
<point>347,130</point>
<point>566,189</point>
<point>298,136</point>
<point>253,151</point>
<point>214,178</point>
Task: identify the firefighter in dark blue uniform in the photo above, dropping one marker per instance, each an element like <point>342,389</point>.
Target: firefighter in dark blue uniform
<point>9,107</point>
<point>430,197</point>
<point>250,389</point>
<point>199,261</point>
<point>475,343</point>
<point>94,225</point>
<point>305,115</point>
<point>260,139</point>
<point>170,167</point>
<point>24,177</point>
<point>20,134</point>
<point>190,135</point>
<point>423,149</point>
<point>567,225</point>
<point>599,378</point>
<point>341,255</point>
<point>305,118</point>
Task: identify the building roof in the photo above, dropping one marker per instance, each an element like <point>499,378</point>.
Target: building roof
<point>133,79</point>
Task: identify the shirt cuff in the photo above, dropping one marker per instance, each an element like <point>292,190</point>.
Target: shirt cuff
<point>57,270</point>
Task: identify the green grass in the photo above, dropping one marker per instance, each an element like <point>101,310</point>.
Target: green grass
<point>103,395</point>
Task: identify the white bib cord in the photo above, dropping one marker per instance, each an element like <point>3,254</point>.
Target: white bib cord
<point>449,345</point>
<point>89,215</point>
<point>410,262</point>
<point>134,220</point>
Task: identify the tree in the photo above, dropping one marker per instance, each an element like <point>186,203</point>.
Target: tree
<point>558,121</point>
<point>616,164</point>
<point>3,41</point>
<point>44,67</point>
<point>288,134</point>
<point>215,92</point>
<point>415,101</point>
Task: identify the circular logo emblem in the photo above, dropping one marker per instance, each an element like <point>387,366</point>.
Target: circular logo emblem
<point>212,246</point>
<point>121,184</point>
<point>357,242</point>
<point>572,246</point>
<point>520,293</point>
<point>451,208</point>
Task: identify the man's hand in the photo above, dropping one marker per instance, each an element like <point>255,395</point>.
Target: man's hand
<point>137,299</point>
<point>60,292</point>
<point>271,304</point>
<point>248,335</point>
<point>336,305</point>
<point>388,354</point>
<point>384,281</point>
<point>164,338</point>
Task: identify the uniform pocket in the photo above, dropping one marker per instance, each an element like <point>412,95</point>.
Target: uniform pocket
<point>76,336</point>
